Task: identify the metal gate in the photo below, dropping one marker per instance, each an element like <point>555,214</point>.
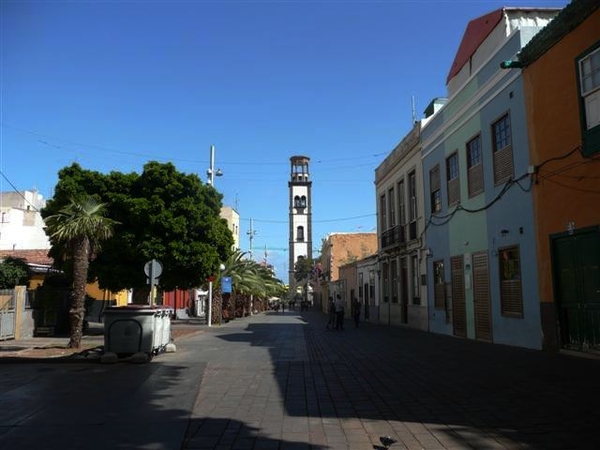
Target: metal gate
<point>8,315</point>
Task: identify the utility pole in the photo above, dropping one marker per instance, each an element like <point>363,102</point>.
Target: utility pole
<point>251,233</point>
<point>211,172</point>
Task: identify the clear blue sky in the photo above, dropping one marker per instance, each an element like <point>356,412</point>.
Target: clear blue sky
<point>114,84</point>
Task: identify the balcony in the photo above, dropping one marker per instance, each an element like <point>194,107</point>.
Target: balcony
<point>394,237</point>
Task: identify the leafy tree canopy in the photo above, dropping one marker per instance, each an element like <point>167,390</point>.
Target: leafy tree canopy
<point>303,269</point>
<point>161,213</point>
<point>13,272</point>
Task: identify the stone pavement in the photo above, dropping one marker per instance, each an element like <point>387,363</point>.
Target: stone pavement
<point>282,381</point>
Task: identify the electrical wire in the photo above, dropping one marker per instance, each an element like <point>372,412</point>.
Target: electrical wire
<point>17,191</point>
<point>314,221</point>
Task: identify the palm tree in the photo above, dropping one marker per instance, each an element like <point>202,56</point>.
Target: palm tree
<point>249,280</point>
<point>81,226</point>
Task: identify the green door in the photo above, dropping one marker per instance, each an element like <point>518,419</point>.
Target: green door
<point>576,265</point>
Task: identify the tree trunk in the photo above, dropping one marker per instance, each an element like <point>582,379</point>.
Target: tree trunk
<point>77,311</point>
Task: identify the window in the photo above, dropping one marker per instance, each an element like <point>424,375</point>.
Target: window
<point>452,179</point>
<point>412,207</point>
<point>589,83</point>
<point>360,285</point>
<point>386,288</point>
<point>502,150</point>
<point>300,234</point>
<point>392,207</point>
<point>511,296</point>
<point>434,188</point>
<point>439,283</point>
<point>589,69</point>
<point>401,213</point>
<point>297,201</point>
<point>382,213</point>
<point>474,166</point>
<point>372,286</point>
<point>394,277</point>
<point>416,278</point>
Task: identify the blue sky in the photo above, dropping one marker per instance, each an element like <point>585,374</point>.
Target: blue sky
<point>114,84</point>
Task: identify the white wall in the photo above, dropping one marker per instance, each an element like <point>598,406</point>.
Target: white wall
<point>21,224</point>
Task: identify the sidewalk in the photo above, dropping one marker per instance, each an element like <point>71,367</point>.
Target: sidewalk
<point>92,342</point>
<point>282,381</point>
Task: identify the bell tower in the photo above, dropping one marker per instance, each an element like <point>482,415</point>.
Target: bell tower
<point>300,215</point>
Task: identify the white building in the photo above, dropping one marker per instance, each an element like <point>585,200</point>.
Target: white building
<point>21,224</point>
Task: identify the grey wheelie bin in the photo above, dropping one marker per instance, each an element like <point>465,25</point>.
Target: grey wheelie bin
<point>135,329</point>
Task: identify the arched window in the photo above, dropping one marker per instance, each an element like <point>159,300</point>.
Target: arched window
<point>303,201</point>
<point>300,233</point>
<point>297,202</point>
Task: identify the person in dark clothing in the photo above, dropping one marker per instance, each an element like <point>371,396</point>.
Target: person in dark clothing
<point>339,313</point>
<point>356,312</point>
<point>331,321</point>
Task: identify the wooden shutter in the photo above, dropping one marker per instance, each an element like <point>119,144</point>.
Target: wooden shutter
<point>459,309</point>
<point>503,165</point>
<point>453,191</point>
<point>481,297</point>
<point>475,179</point>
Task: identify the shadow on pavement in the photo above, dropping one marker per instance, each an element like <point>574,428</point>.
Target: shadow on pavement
<point>224,433</point>
<point>121,406</point>
<point>431,389</point>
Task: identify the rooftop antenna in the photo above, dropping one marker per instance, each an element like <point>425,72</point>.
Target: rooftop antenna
<point>414,111</point>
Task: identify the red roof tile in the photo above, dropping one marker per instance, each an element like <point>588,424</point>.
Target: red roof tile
<point>31,256</point>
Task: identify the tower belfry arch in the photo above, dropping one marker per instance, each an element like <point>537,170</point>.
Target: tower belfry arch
<point>300,213</point>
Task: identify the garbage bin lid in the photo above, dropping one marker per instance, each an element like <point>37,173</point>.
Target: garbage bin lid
<point>141,308</point>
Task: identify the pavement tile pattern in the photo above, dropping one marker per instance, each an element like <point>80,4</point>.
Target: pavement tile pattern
<point>282,381</point>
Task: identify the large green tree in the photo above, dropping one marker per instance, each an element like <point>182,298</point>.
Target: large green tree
<point>163,214</point>
<point>79,228</point>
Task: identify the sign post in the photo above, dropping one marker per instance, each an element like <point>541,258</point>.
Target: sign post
<point>153,270</point>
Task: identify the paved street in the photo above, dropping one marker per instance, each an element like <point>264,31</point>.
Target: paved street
<point>282,381</point>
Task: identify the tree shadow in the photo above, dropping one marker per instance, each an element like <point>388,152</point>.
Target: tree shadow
<point>119,406</point>
<point>431,390</point>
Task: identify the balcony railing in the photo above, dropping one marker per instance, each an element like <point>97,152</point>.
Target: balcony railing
<point>393,237</point>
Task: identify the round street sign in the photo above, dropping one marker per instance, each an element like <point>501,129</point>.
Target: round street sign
<point>157,268</point>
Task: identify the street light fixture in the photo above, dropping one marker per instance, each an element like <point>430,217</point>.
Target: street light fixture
<point>211,173</point>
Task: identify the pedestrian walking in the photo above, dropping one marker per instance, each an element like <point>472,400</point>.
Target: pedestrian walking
<point>356,311</point>
<point>339,313</point>
<point>331,311</point>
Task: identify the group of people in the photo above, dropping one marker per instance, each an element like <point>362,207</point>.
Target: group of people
<point>337,313</point>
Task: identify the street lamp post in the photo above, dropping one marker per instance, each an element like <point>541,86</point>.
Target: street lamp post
<point>221,269</point>
<point>210,293</point>
<point>212,172</point>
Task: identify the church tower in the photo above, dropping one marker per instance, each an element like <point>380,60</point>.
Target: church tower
<point>300,216</point>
